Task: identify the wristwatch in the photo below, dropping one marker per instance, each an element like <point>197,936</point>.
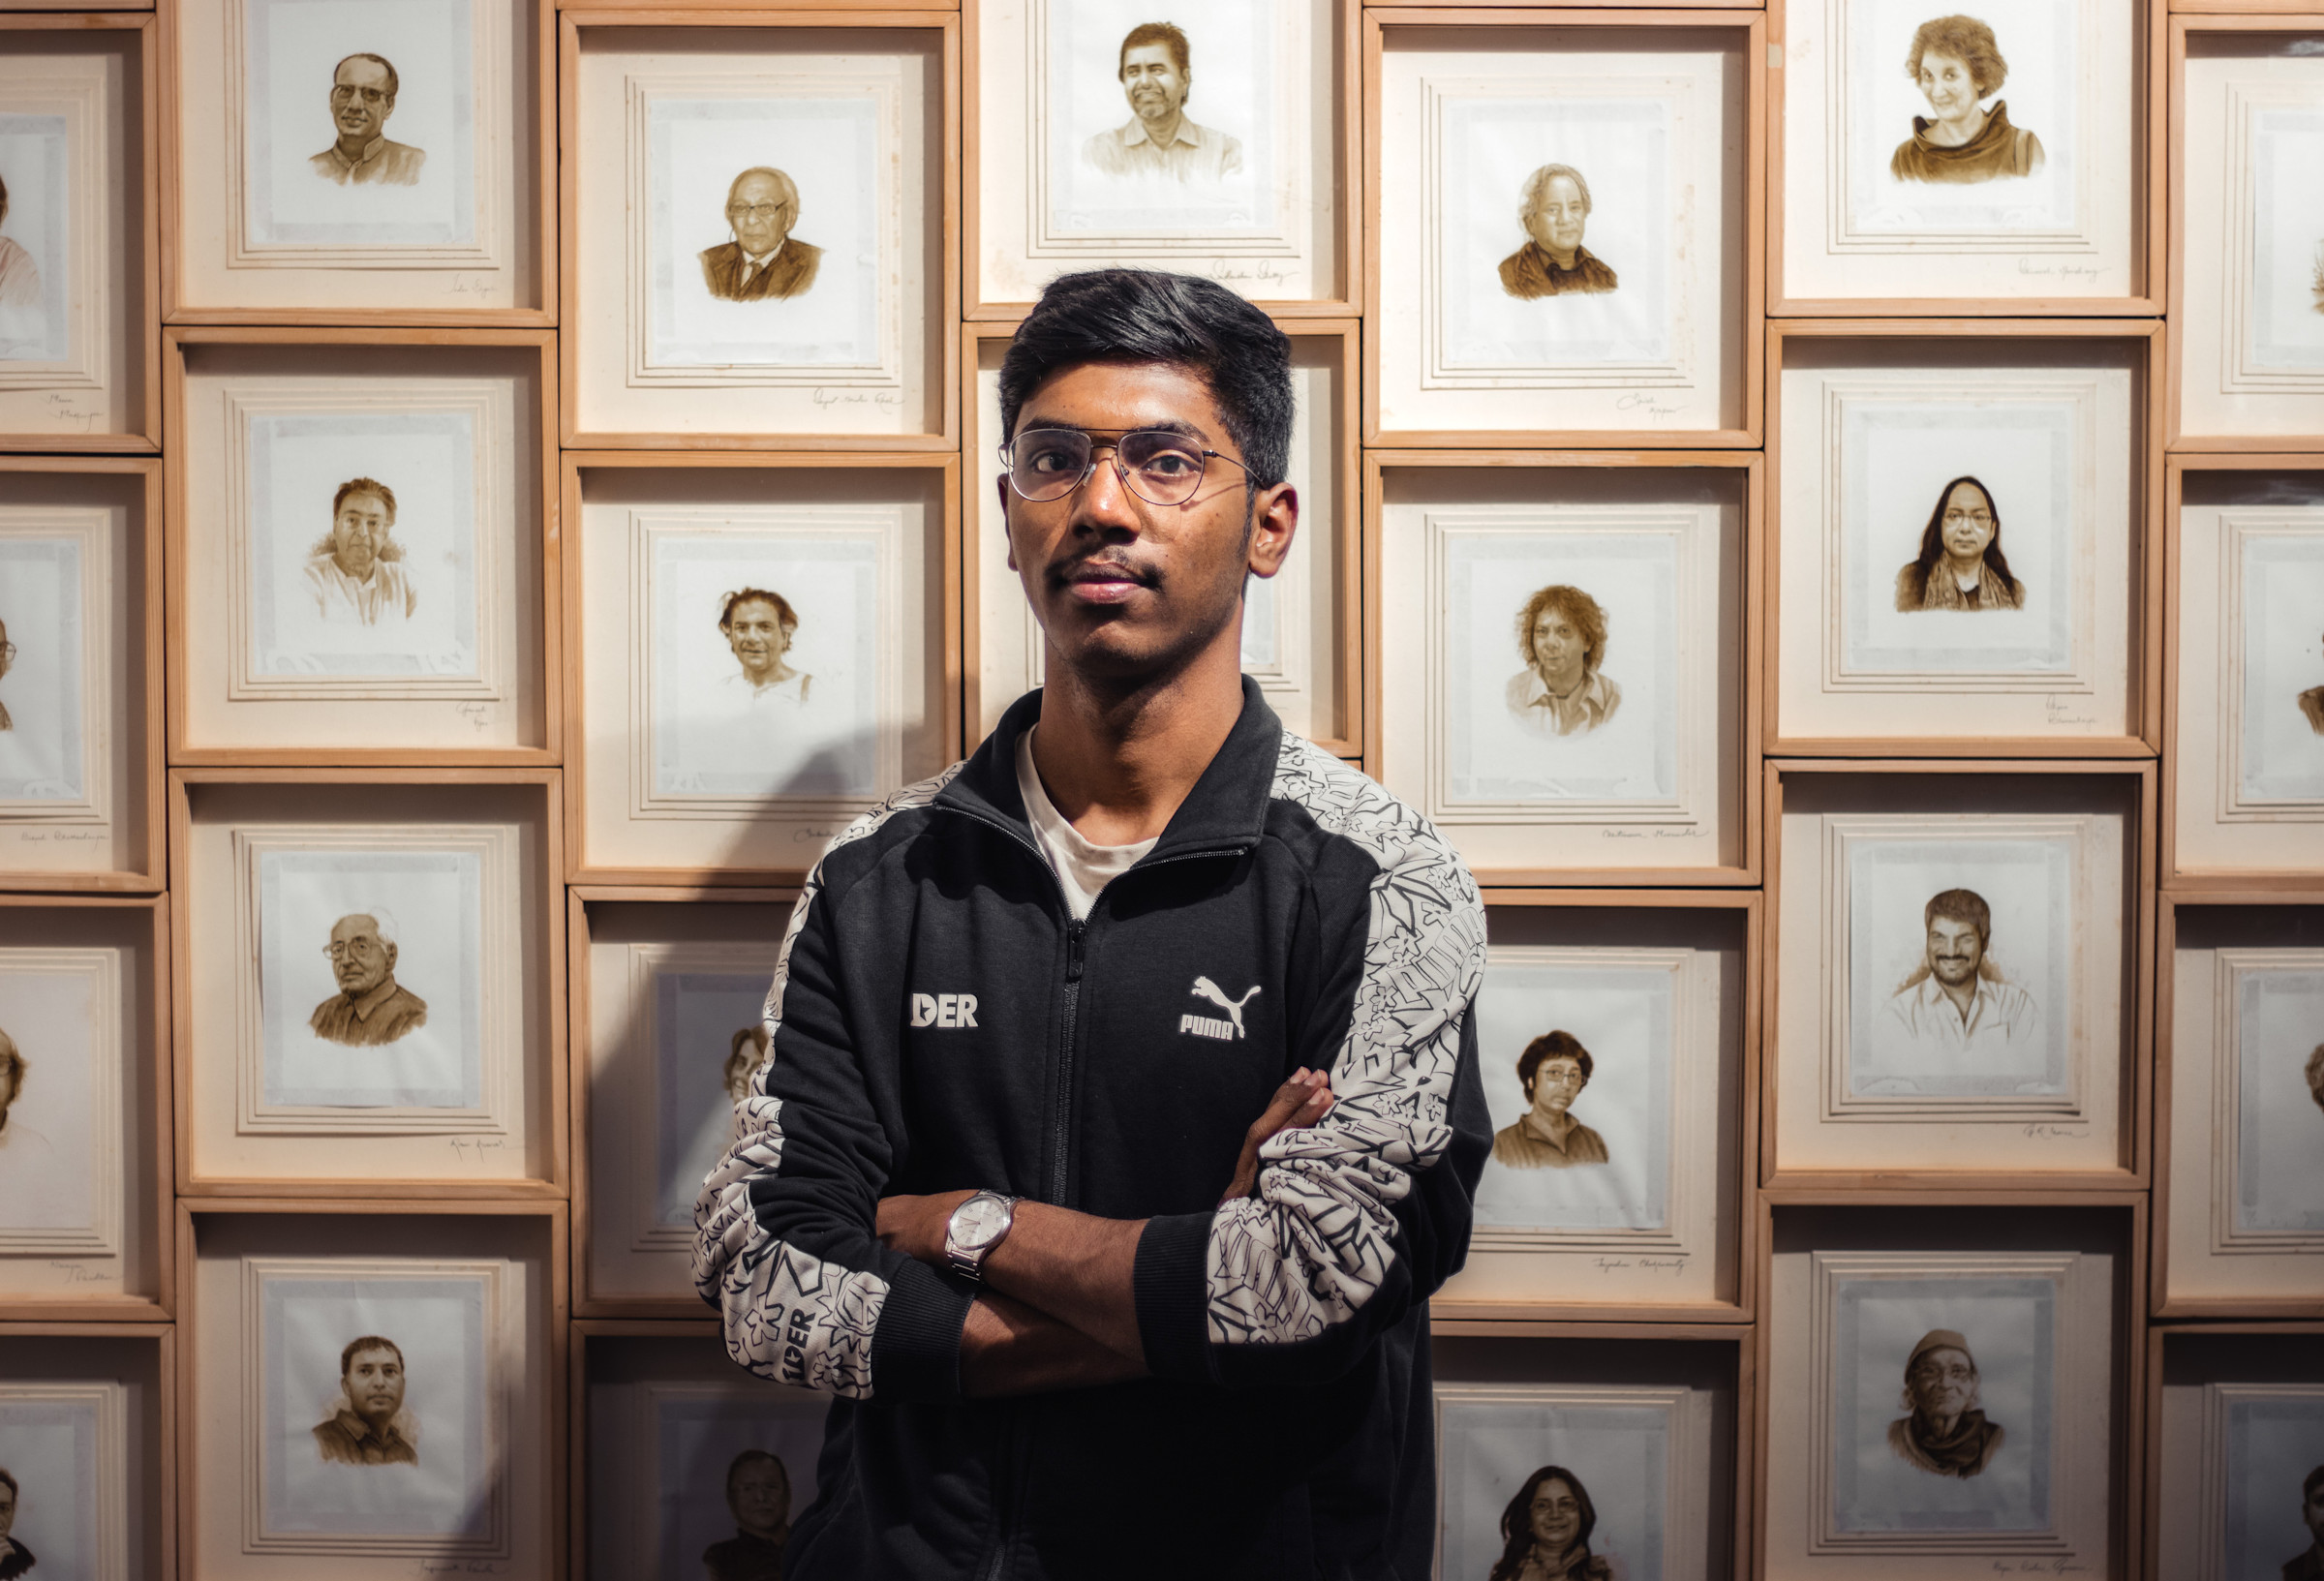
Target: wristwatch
<point>975,1228</point>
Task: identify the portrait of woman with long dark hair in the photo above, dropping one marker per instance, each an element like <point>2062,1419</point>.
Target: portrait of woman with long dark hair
<point>1546,1532</point>
<point>1960,565</point>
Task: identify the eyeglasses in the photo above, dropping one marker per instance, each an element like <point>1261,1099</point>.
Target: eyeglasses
<point>7,650</point>
<point>1982,518</point>
<point>755,211</point>
<point>1158,467</point>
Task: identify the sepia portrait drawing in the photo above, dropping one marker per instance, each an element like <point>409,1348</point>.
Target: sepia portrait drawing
<point>1546,1532</point>
<point>2269,633</point>
<point>21,1137</point>
<point>1554,263</point>
<point>2279,1086</point>
<point>759,626</point>
<point>2308,1565</point>
<point>1564,1482</point>
<point>8,658</point>
<point>1957,64</point>
<point>371,1006</point>
<point>708,1040</point>
<point>357,569</point>
<point>20,293</point>
<point>16,1557</point>
<point>1960,565</point>
<point>1945,1430</point>
<point>728,1466</point>
<point>1552,1070</point>
<point>745,1052</point>
<point>2311,704</point>
<point>1956,1001</point>
<point>363,90</point>
<point>2313,1074</point>
<point>36,217</point>
<point>54,590</point>
<point>369,1425</point>
<point>764,261</point>
<point>1156,73</point>
<point>758,1496</point>
<point>1560,635</point>
<point>60,1083</point>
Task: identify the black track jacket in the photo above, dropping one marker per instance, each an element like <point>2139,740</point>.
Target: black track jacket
<point>939,1022</point>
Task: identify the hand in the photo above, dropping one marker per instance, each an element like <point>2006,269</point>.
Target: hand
<point>1301,1101</point>
<point>915,1226</point>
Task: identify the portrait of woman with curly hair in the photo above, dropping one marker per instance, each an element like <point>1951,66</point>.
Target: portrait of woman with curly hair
<point>1957,64</point>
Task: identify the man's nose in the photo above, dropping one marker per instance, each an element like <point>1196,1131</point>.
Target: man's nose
<point>1104,499</point>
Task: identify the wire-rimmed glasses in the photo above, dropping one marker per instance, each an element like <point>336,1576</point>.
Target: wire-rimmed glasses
<point>1158,465</point>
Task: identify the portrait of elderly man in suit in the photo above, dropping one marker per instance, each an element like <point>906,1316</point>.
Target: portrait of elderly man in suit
<point>1552,1070</point>
<point>1554,263</point>
<point>758,1496</point>
<point>371,1008</point>
<point>2308,1563</point>
<point>1946,1432</point>
<point>764,262</point>
<point>1956,1001</point>
<point>369,1427</point>
<point>356,571</point>
<point>1560,635</point>
<point>14,1557</point>
<point>1160,139</point>
<point>363,89</point>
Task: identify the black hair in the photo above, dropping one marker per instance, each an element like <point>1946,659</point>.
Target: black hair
<point>1552,1046</point>
<point>1146,315</point>
<point>1932,540</point>
<point>1517,1528</point>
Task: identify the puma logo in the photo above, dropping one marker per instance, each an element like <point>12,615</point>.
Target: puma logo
<point>1211,1026</point>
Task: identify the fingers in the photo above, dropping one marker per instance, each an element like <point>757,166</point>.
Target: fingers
<point>1300,1102</point>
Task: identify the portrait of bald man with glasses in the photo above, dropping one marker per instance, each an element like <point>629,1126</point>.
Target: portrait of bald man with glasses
<point>764,262</point>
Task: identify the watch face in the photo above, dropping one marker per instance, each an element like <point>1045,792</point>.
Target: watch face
<point>977,1220</point>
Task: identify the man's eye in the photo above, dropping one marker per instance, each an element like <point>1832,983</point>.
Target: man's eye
<point>1170,463</point>
<point>1050,460</point>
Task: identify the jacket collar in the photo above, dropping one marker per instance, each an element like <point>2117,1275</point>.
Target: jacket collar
<point>1225,811</point>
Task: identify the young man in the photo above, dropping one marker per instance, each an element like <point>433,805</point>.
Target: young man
<point>1025,1013</point>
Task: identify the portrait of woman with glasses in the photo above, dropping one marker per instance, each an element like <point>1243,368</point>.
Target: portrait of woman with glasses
<point>1960,565</point>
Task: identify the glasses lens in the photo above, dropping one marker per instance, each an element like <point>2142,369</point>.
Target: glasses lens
<point>1163,467</point>
<point>1048,463</point>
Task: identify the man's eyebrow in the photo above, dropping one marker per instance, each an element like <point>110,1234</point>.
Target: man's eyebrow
<point>1165,425</point>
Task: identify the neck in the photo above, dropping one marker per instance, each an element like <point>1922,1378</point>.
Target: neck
<point>1117,760</point>
<point>1565,259</point>
<point>1954,131</point>
<point>1557,1122</point>
<point>353,146</point>
<point>1942,1424</point>
<point>1166,129</point>
<point>1969,567</point>
<point>1573,683</point>
<point>1962,996</point>
<point>760,680</point>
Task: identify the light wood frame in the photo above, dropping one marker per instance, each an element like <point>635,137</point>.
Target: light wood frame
<point>2150,1471</point>
<point>149,681</point>
<point>543,343</point>
<point>2148,684</point>
<point>576,1407</point>
<point>1348,740</point>
<point>216,1190</point>
<point>575,461</point>
<point>157,1207</point>
<point>2149,178</point>
<point>2131,1403</point>
<point>543,223</point>
<point>2228,16</point>
<point>1350,193</point>
<point>556,1320</point>
<point>142,322</point>
<point>578,900</point>
<point>724,13</point>
<point>164,1339</point>
<point>1749,470</point>
<point>2137,1093</point>
<point>1753,307</point>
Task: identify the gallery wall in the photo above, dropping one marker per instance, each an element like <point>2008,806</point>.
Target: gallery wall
<point>1823,506</point>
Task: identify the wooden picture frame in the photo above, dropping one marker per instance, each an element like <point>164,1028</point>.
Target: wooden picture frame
<point>124,416</point>
<point>1728,416</point>
<point>2096,1124</point>
<point>134,864</point>
<point>518,1104</point>
<point>923,374</point>
<point>1000,639</point>
<point>1721,787</point>
<point>119,1356</point>
<point>2185,1364</point>
<point>519,702</point>
<point>2110,705</point>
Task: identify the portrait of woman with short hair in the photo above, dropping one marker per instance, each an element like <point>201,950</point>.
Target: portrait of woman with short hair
<point>1960,565</point>
<point>1957,63</point>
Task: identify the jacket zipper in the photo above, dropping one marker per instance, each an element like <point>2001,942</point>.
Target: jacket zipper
<point>1061,1125</point>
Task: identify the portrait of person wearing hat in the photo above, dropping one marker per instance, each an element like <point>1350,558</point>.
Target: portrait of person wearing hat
<point>1946,1433</point>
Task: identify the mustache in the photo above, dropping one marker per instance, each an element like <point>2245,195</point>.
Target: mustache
<point>1081,567</point>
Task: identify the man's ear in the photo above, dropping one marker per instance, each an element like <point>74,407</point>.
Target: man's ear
<point>390,955</point>
<point>1006,537</point>
<point>1272,525</point>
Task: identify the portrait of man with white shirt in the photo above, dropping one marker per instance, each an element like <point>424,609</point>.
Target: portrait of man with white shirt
<point>1957,1001</point>
<point>1160,139</point>
<point>758,625</point>
<point>356,571</point>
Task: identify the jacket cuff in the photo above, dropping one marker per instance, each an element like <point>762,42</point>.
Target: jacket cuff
<point>1167,1283</point>
<point>916,1344</point>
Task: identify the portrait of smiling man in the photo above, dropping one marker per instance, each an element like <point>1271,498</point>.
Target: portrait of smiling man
<point>363,90</point>
<point>1105,1281</point>
<point>357,569</point>
<point>1156,73</point>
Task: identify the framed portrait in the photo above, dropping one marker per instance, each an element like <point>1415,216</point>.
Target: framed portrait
<point>692,1465</point>
<point>346,161</point>
<point>2243,1089</point>
<point>2247,287</point>
<point>1299,627</point>
<point>1963,963</point>
<point>1606,1475</point>
<point>1934,1411</point>
<point>757,252</point>
<point>1604,1189</point>
<point>1513,304</point>
<point>372,1393</point>
<point>77,367</point>
<point>83,1417</point>
<point>371,969</point>
<point>674,1025</point>
<point>2239,1439</point>
<point>1562,663</point>
<point>2247,762</point>
<point>1989,162</point>
<point>761,656</point>
<point>359,565</point>
<point>1094,146</point>
<point>1961,524</point>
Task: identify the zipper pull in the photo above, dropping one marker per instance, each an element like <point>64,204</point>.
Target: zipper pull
<point>1073,950</point>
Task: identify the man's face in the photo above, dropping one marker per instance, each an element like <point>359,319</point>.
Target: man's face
<point>1968,525</point>
<point>1556,221</point>
<point>375,1384</point>
<point>1558,649</point>
<point>762,212</point>
<point>1943,1382</point>
<point>1554,1516</point>
<point>8,1096</point>
<point>1125,589</point>
<point>1954,951</point>
<point>1152,78</point>
<point>360,959</point>
<point>1556,1082</point>
<point>757,635</point>
<point>360,103</point>
<point>7,650</point>
<point>8,1509</point>
<point>360,531</point>
<point>2311,1512</point>
<point>1947,83</point>
<point>757,1495</point>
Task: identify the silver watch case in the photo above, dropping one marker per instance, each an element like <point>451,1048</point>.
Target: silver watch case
<point>977,1226</point>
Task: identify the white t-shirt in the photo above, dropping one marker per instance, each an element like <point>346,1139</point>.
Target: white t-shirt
<point>1082,867</point>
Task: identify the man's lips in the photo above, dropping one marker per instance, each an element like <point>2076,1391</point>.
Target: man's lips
<point>1103,582</point>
